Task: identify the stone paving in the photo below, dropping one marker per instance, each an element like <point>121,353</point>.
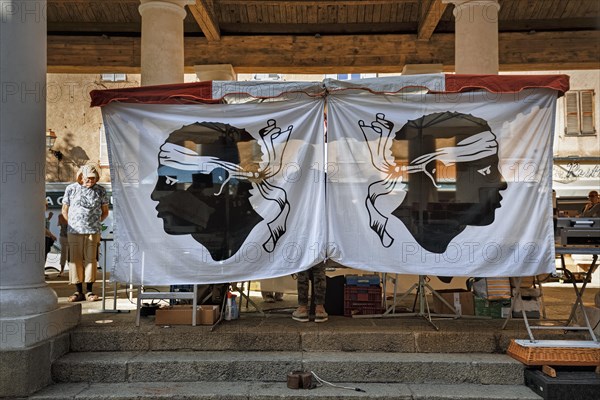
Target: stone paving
<point>558,299</point>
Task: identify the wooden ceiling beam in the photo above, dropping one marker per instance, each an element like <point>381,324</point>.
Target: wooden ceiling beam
<point>308,3</point>
<point>203,14</point>
<point>307,29</point>
<point>328,54</point>
<point>430,18</point>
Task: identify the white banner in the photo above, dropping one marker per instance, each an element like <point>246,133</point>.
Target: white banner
<point>216,193</point>
<point>446,184</point>
<point>441,184</point>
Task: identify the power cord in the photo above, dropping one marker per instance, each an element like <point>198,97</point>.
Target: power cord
<point>323,381</point>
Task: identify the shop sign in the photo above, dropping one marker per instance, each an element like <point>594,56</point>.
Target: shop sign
<point>574,171</point>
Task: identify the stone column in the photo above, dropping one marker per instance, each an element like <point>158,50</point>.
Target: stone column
<point>162,41</point>
<point>476,40</point>
<point>215,72</point>
<point>29,318</point>
<point>23,290</point>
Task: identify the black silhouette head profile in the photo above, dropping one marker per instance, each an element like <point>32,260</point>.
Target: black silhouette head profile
<point>452,178</point>
<point>204,185</point>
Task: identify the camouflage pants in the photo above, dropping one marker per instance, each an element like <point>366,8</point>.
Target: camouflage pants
<point>319,285</point>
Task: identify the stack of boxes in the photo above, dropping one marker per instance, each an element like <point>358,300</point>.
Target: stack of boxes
<point>492,297</point>
<point>362,295</point>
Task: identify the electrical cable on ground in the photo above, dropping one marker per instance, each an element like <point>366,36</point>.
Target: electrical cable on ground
<point>322,381</point>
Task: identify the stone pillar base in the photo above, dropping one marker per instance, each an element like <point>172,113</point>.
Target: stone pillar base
<point>29,345</point>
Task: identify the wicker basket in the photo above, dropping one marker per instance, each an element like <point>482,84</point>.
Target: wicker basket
<point>568,356</point>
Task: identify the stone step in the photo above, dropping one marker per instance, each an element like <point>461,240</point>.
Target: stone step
<point>190,366</point>
<point>350,335</point>
<point>279,391</point>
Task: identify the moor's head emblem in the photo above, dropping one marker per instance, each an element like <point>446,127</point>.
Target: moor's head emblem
<point>212,177</point>
<point>443,167</point>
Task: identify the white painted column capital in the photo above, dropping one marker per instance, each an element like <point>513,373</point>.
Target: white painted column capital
<point>169,6</point>
<point>460,4</point>
<point>476,36</point>
<point>162,47</point>
<point>215,72</point>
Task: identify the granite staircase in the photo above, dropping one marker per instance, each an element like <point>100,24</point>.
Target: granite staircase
<point>250,358</point>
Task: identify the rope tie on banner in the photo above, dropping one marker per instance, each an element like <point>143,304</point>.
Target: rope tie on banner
<point>323,381</point>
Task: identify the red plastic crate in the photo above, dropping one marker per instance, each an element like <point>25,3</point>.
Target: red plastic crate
<point>362,300</point>
<point>362,293</point>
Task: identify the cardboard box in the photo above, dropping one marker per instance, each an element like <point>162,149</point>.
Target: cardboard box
<point>182,315</point>
<point>209,314</point>
<point>460,299</point>
<point>175,315</point>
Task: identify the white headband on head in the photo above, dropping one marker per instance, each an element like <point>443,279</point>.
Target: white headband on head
<point>179,159</point>
<point>473,148</point>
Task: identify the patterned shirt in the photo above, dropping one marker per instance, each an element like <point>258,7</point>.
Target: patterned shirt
<point>85,207</point>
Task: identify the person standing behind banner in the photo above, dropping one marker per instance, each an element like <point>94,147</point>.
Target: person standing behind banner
<point>85,206</point>
<point>49,236</point>
<point>64,242</point>
<point>319,289</point>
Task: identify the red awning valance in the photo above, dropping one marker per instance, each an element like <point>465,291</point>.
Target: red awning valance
<point>506,83</point>
<point>182,93</point>
<point>213,92</point>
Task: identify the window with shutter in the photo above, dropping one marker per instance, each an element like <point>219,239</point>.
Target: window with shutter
<point>579,113</point>
<point>572,113</point>
<point>587,112</point>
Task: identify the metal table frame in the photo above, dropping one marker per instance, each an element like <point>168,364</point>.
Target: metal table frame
<point>104,241</point>
<point>193,295</point>
<point>239,287</point>
<point>594,251</point>
<point>587,277</point>
<point>421,287</point>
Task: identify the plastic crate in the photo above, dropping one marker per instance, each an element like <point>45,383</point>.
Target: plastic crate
<point>362,300</point>
<point>363,280</point>
<point>492,308</point>
<point>362,293</point>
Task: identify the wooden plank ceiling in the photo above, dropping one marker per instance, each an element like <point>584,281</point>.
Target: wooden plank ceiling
<point>343,36</point>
